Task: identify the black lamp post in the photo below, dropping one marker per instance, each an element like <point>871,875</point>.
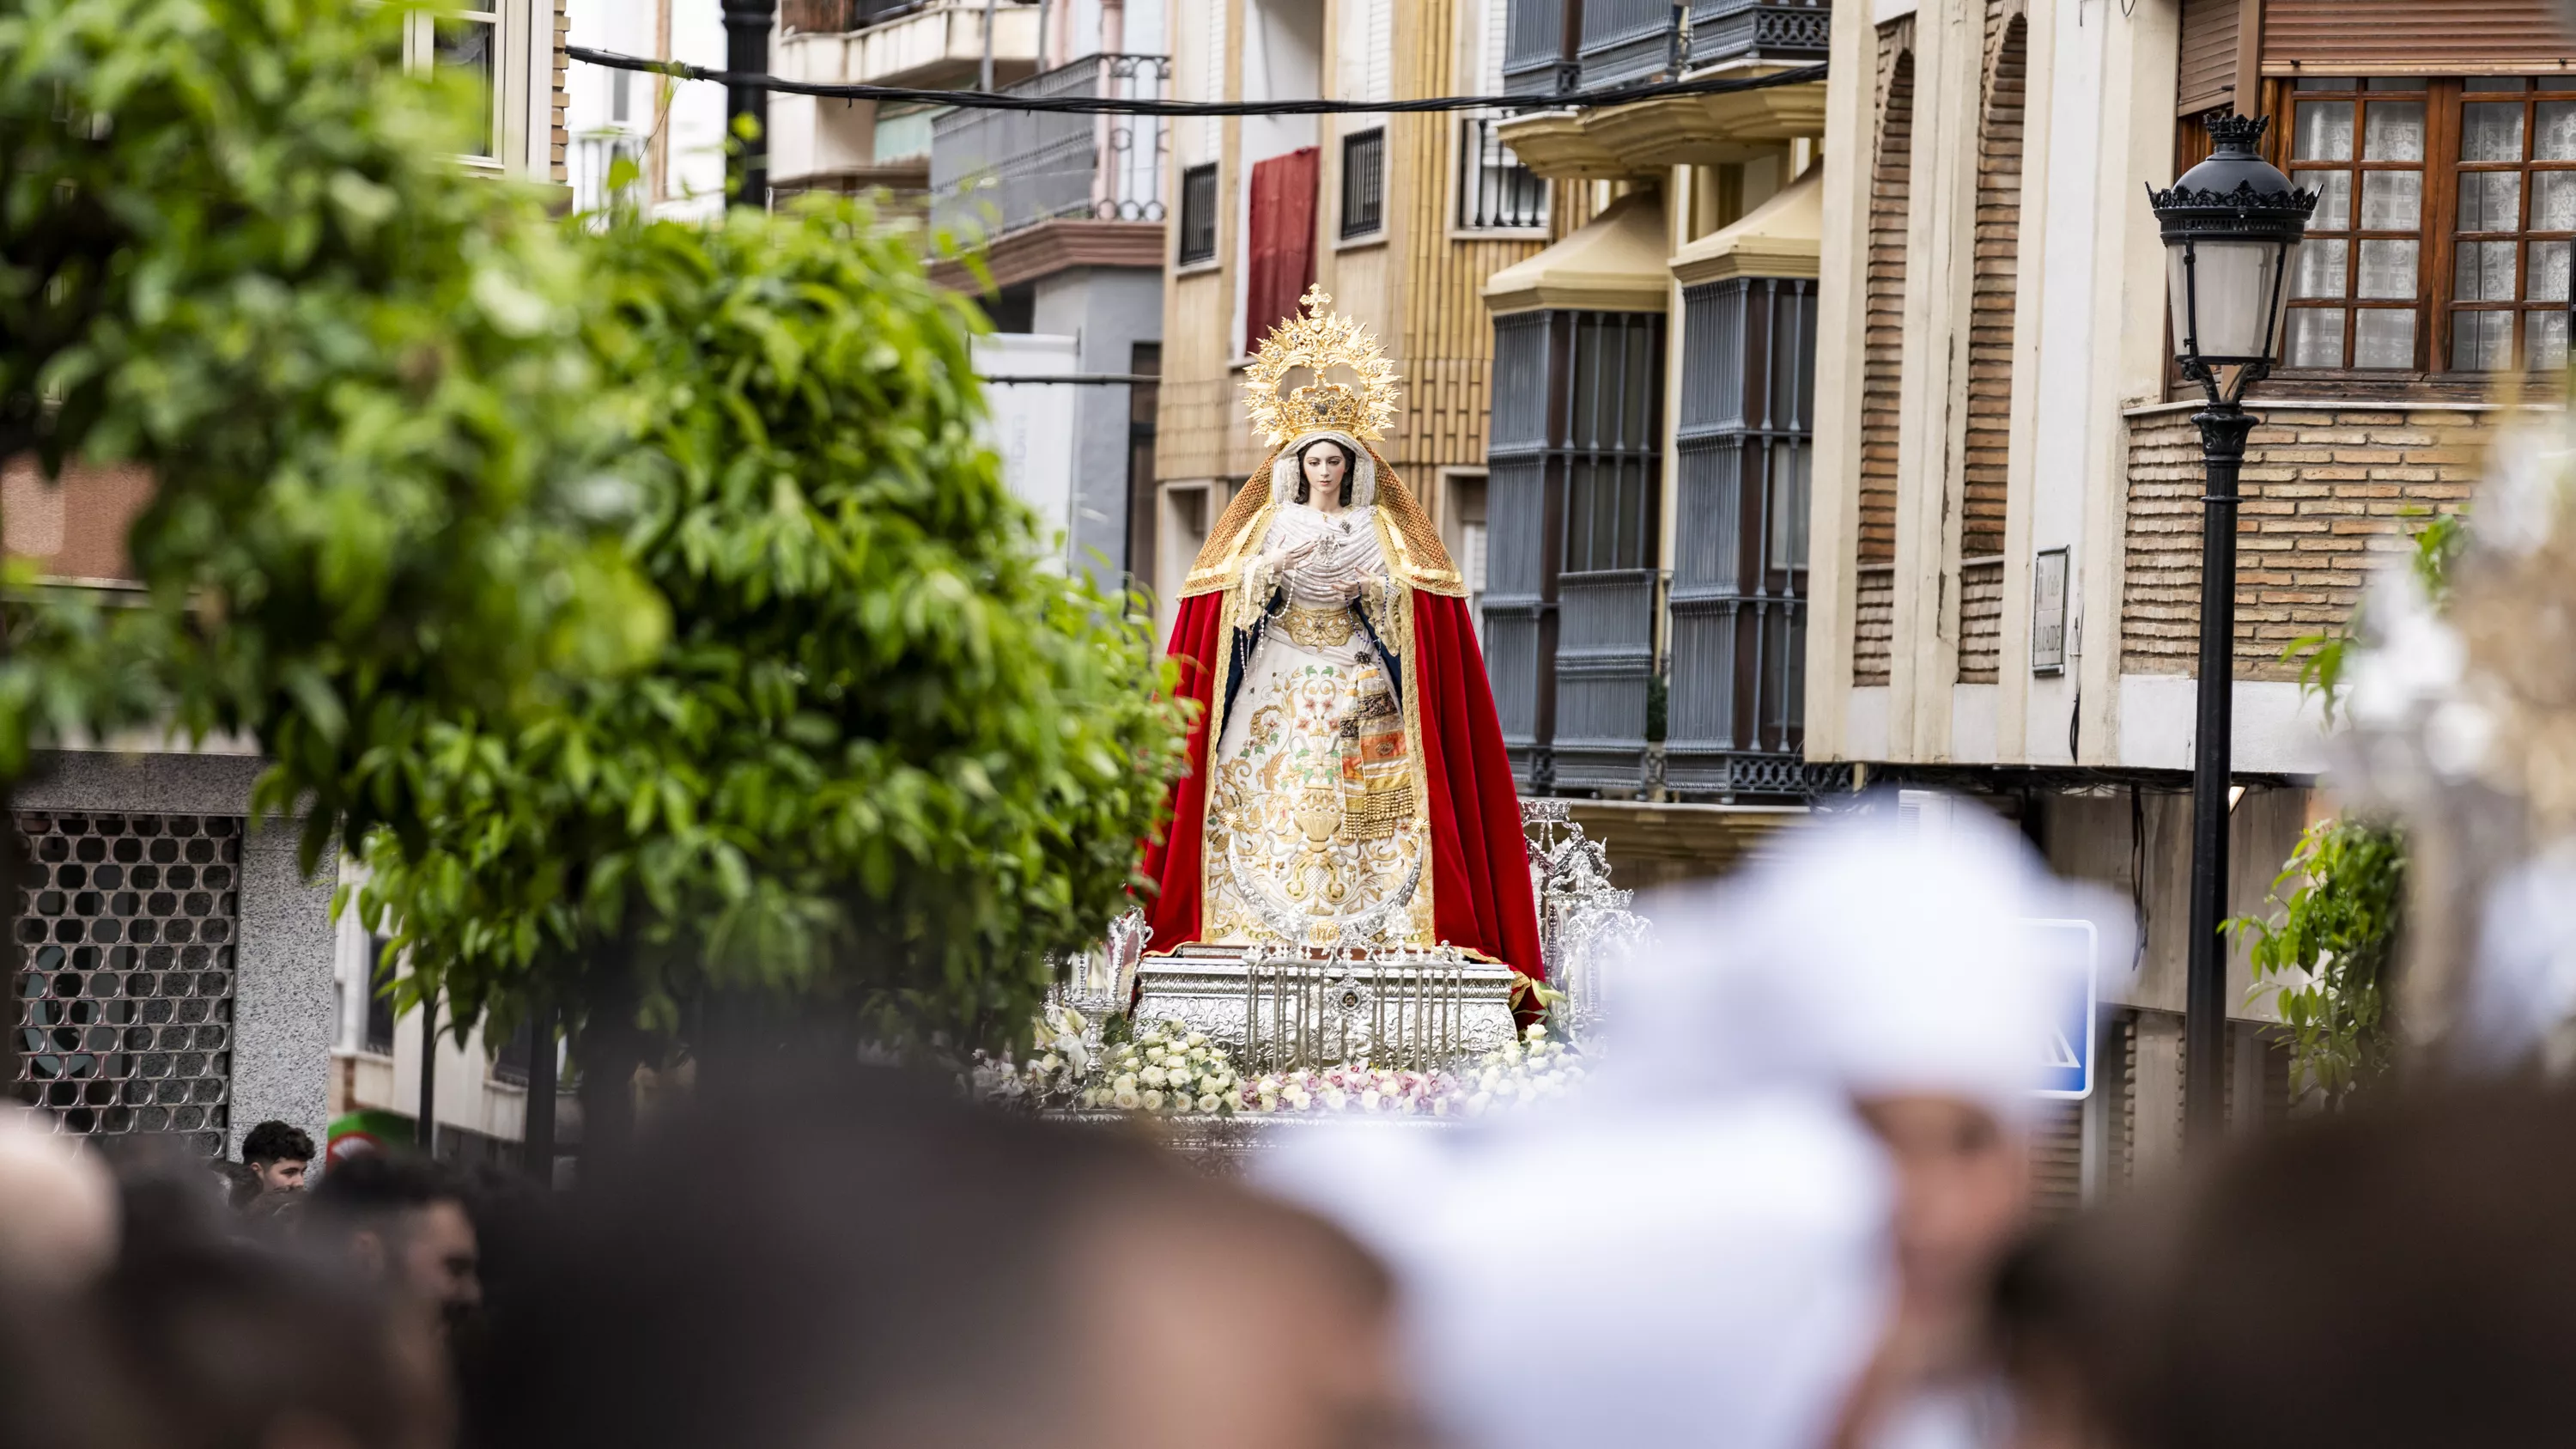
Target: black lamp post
<point>2231,226</point>
<point>747,25</point>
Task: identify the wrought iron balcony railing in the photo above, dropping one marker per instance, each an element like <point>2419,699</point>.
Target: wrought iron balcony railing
<point>1783,30</point>
<point>839,17</point>
<point>999,171</point>
<point>1620,42</point>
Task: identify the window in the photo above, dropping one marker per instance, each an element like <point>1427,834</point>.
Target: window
<point>380,1008</point>
<point>2443,224</point>
<point>1614,457</point>
<point>1198,214</point>
<point>1364,182</point>
<point>510,1064</point>
<point>1495,191</point>
<point>2517,212</point>
<point>467,42</point>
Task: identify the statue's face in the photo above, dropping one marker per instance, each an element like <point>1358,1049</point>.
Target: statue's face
<point>1324,469</point>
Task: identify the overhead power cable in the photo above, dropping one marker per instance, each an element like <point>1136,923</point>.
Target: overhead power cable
<point>1114,106</point>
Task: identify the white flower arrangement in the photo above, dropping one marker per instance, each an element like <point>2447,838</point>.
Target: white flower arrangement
<point>1165,1067</point>
<point>1529,1070</point>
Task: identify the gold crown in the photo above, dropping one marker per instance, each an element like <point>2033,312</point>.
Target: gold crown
<point>1316,339</point>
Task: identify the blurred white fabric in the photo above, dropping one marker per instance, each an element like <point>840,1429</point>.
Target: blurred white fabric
<point>1867,956</point>
<point>1711,1273</point>
<point>1695,1249</point>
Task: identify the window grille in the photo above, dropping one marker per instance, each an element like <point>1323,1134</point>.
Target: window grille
<point>1364,182</point>
<point>1198,214</point>
<point>126,934</point>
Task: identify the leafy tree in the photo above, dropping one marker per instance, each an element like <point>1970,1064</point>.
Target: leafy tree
<point>892,764</point>
<point>236,248</point>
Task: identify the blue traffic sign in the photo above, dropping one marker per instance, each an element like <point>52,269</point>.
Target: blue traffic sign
<point>2068,952</point>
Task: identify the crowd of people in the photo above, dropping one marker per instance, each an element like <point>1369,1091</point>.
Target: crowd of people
<point>1789,1213</point>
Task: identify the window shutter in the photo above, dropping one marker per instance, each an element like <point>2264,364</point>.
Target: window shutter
<point>2413,37</point>
<point>2209,45</point>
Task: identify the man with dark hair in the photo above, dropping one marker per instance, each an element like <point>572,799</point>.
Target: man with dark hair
<point>277,1155</point>
<point>400,1222</point>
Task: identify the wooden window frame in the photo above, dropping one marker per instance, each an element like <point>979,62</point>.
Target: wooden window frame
<point>2437,234</point>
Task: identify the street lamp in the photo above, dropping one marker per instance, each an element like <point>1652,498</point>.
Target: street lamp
<point>2230,227</point>
<point>746,24</point>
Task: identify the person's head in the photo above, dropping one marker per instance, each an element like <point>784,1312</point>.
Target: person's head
<point>2388,1277</point>
<point>1325,469</point>
<point>1962,1175</point>
<point>58,1207</point>
<point>279,1154</point>
<point>233,1347</point>
<point>400,1221</point>
<point>912,1272</point>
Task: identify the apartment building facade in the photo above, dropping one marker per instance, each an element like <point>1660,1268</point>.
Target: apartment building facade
<point>2004,541</point>
<point>1401,218</point>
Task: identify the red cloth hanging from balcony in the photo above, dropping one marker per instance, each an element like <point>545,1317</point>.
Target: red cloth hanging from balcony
<point>1283,240</point>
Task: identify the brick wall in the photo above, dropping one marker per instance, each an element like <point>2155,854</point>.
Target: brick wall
<point>1997,266</point>
<point>561,140</point>
<point>2327,494</point>
<point>1873,624</point>
<point>1883,289</point>
<point>1981,620</point>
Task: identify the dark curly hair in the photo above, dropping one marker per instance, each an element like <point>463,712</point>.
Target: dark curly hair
<point>1350,468</point>
<point>277,1142</point>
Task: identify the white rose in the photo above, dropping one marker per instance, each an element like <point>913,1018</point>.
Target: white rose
<point>1155,1076</point>
<point>1050,1062</point>
<point>1153,1053</point>
<point>1336,1098</point>
<point>1490,1078</point>
<point>1440,1107</point>
<point>1153,1100</point>
<point>1196,1038</point>
<point>1537,1031</point>
<point>1370,1101</point>
<point>1208,1101</point>
<point>1126,1082</point>
<point>1297,1098</point>
<point>1126,1100</point>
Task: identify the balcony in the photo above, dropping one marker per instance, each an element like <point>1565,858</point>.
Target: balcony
<point>933,44</point>
<point>1629,42</point>
<point>1048,191</point>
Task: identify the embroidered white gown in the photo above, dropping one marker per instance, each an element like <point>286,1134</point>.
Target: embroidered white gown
<point>1313,825</point>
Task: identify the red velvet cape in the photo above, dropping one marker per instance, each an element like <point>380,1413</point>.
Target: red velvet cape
<point>1480,878</point>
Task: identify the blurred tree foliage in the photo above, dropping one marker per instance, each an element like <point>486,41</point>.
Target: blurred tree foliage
<point>2325,952</point>
<point>236,250</point>
<point>894,762</point>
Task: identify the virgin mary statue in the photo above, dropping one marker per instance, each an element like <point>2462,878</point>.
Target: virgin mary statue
<point>1347,786</point>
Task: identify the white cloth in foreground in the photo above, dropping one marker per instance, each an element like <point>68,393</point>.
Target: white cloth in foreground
<point>1866,956</point>
<point>1709,1273</point>
<point>1695,1250</point>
